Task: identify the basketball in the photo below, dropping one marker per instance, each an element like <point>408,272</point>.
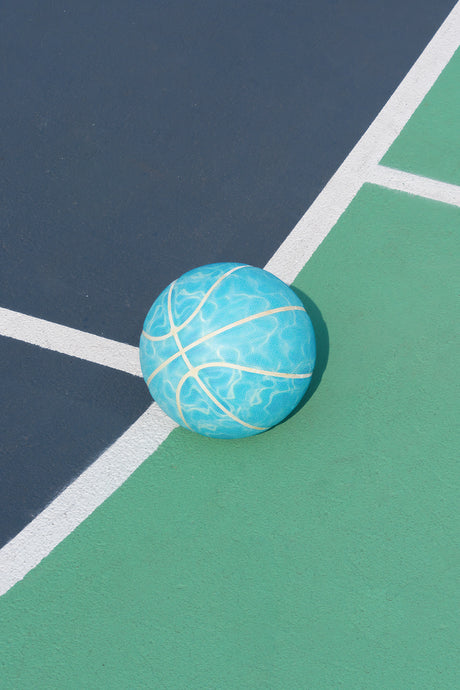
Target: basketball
<point>227,350</point>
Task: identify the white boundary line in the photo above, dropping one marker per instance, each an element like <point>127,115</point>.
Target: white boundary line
<point>118,462</point>
<point>70,341</point>
<point>360,164</point>
<point>415,184</point>
<point>83,496</point>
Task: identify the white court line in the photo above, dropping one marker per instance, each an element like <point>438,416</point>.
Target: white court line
<point>415,184</point>
<point>70,341</point>
<point>360,164</point>
<point>83,496</point>
<point>73,506</point>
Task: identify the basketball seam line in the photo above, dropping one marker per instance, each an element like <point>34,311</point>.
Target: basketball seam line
<point>208,336</point>
<point>238,367</point>
<point>197,309</point>
<point>193,372</point>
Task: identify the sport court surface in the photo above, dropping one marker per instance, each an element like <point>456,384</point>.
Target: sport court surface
<point>321,554</point>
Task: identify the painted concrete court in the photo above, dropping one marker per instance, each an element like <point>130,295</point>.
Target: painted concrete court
<point>140,140</point>
<point>324,553</point>
<point>320,555</point>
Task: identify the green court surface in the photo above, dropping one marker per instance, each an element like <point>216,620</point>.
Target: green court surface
<point>429,145</point>
<point>321,554</point>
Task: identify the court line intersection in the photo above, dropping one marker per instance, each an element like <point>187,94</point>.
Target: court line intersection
<point>122,458</point>
<point>415,184</point>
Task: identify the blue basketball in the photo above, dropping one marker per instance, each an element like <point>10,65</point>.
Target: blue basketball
<point>227,350</point>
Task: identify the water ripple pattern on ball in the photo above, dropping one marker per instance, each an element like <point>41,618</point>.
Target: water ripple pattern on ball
<point>227,350</point>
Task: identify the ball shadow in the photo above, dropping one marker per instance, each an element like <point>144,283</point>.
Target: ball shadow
<point>322,348</point>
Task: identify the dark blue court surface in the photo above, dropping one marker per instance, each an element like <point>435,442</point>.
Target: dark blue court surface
<point>61,413</point>
<point>141,139</point>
